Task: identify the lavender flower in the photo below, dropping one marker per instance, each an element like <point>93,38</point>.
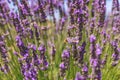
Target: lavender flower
<point>79,76</point>
<point>44,63</point>
<point>81,51</point>
<point>92,38</point>
<point>98,50</point>
<point>80,20</point>
<point>92,46</point>
<point>35,21</point>
<point>28,69</point>
<point>65,54</point>
<point>37,32</point>
<point>115,12</point>
<point>104,61</point>
<point>85,71</point>
<point>102,13</point>
<point>4,55</point>
<point>95,60</point>
<point>53,52</point>
<point>116,54</point>
<point>65,62</point>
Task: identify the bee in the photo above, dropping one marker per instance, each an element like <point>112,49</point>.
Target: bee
<point>65,40</point>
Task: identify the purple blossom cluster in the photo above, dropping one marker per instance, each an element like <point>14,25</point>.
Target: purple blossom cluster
<point>81,41</point>
<point>4,56</point>
<point>64,65</point>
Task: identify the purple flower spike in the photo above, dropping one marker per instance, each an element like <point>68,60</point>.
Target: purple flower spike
<point>3,55</point>
<point>41,48</point>
<point>18,39</point>
<point>32,46</point>
<point>85,68</point>
<point>62,66</point>
<point>98,49</point>
<point>79,76</point>
<point>65,54</point>
<point>92,38</point>
<point>85,71</point>
<point>65,62</point>
<point>53,52</point>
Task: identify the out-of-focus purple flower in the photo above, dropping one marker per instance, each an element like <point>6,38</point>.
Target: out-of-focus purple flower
<point>53,52</point>
<point>32,46</point>
<point>115,13</point>
<point>103,62</point>
<point>71,27</point>
<point>62,23</point>
<point>62,66</point>
<point>73,40</point>
<point>98,49</point>
<point>92,24</point>
<point>42,49</point>
<point>81,51</point>
<point>95,59</point>
<point>94,62</point>
<point>116,54</point>
<point>65,54</point>
<point>18,40</point>
<point>44,64</point>
<point>93,47</point>
<point>92,38</point>
<point>85,71</point>
<point>102,9</point>
<point>79,76</point>
<point>85,68</point>
<point>3,53</point>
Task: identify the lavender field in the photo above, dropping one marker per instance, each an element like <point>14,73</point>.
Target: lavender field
<point>81,42</point>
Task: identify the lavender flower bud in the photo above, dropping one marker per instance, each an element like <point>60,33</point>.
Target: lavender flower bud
<point>44,63</point>
<point>92,38</point>
<point>65,54</point>
<point>53,52</point>
<point>85,71</point>
<point>65,62</point>
<point>79,76</point>
<point>4,55</point>
<point>81,51</point>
